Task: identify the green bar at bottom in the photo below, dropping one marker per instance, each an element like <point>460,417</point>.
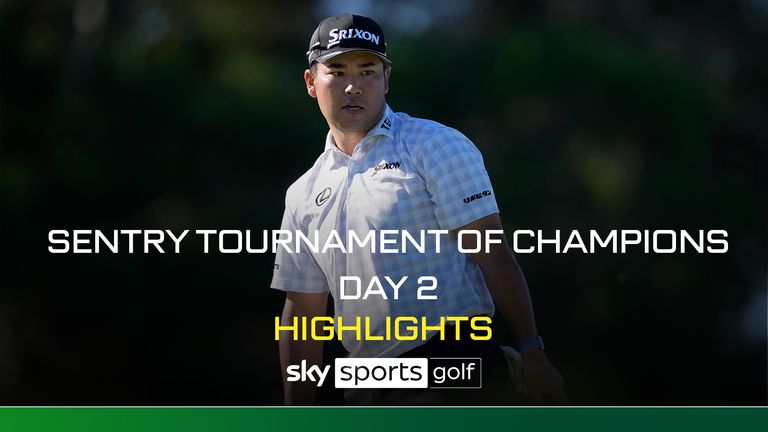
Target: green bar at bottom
<point>382,419</point>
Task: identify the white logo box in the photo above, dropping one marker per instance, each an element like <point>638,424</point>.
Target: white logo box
<point>381,373</point>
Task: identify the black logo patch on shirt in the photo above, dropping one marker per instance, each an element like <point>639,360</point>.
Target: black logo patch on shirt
<point>323,196</point>
<point>386,124</point>
<point>384,165</point>
<point>477,196</point>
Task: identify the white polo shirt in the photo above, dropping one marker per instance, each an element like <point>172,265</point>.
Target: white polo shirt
<point>406,174</point>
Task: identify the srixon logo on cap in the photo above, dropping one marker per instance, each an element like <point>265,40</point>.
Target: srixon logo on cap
<point>337,36</point>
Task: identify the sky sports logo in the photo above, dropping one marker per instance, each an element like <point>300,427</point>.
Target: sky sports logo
<point>442,372</point>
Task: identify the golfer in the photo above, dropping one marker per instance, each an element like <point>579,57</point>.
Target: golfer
<point>382,170</point>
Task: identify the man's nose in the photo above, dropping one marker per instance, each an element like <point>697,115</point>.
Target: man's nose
<point>353,89</point>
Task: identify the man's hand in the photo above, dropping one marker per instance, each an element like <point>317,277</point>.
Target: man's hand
<point>509,290</point>
<point>543,382</point>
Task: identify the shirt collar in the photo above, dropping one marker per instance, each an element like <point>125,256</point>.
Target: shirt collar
<point>384,126</point>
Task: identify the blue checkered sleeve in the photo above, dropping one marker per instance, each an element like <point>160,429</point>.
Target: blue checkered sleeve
<point>456,179</point>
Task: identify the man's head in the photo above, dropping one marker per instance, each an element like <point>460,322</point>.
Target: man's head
<point>349,72</point>
<point>350,90</point>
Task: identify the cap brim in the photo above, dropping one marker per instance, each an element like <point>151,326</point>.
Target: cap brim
<point>328,56</point>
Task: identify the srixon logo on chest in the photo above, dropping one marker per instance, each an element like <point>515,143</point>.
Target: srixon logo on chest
<point>384,165</point>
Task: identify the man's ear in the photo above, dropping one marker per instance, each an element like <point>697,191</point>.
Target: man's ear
<point>309,79</point>
<point>386,79</point>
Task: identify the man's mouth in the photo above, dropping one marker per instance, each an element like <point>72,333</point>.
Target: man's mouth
<point>352,107</point>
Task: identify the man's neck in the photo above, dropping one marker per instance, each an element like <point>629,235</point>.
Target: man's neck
<point>347,141</point>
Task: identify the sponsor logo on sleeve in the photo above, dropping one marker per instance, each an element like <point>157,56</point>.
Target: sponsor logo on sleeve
<point>477,196</point>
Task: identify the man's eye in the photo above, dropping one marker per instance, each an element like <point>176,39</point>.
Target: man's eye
<point>337,73</point>
<point>367,72</point>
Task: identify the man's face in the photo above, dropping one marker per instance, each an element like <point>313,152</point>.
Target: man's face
<point>350,90</point>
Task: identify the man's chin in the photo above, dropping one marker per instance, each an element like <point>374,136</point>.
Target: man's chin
<point>360,126</point>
